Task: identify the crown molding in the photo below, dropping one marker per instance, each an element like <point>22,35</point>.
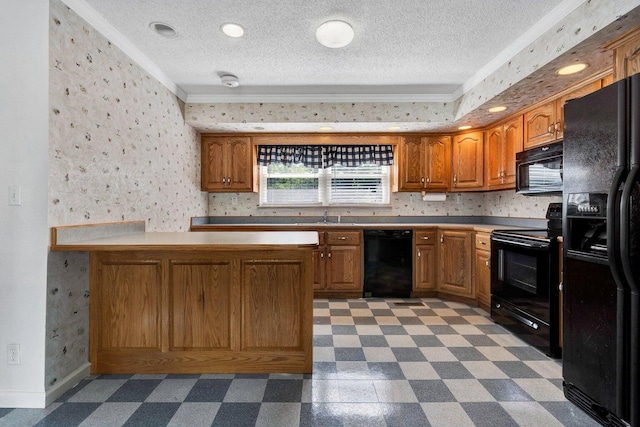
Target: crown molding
<point>96,20</point>
<point>317,98</point>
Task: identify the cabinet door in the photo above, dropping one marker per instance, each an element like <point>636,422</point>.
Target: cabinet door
<point>412,176</point>
<point>482,271</point>
<point>213,164</point>
<point>425,261</point>
<point>438,162</point>
<point>468,159</point>
<point>239,167</point>
<point>344,267</point>
<point>317,259</point>
<point>494,156</point>
<point>539,125</point>
<point>455,263</point>
<point>512,143</point>
<point>626,56</point>
<point>584,90</point>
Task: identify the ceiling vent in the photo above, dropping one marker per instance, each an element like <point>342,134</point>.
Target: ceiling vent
<point>230,80</point>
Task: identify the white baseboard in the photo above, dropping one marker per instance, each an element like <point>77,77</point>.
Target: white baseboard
<point>67,383</point>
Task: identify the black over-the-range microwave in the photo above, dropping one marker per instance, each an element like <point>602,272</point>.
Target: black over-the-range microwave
<point>539,170</point>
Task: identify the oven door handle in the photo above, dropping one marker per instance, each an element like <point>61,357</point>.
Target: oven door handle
<point>529,323</point>
<point>513,242</point>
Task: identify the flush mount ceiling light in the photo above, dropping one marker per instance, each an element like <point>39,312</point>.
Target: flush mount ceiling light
<point>571,69</point>
<point>165,30</point>
<point>394,128</point>
<point>232,30</point>
<point>230,80</point>
<point>497,109</point>
<point>465,127</point>
<point>325,128</point>
<point>335,34</point>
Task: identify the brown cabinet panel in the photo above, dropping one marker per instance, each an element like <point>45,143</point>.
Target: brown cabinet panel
<point>426,237</point>
<point>455,262</point>
<point>493,154</point>
<point>425,268</point>
<point>502,142</point>
<point>344,264</point>
<point>201,299</point>
<point>226,164</point>
<point>411,167</point>
<point>272,304</point>
<point>482,273</point>
<point>468,160</point>
<point>513,138</point>
<point>438,162</point>
<point>343,237</point>
<point>580,92</point>
<point>131,318</point>
<point>540,125</point>
<point>626,55</point>
<point>318,268</point>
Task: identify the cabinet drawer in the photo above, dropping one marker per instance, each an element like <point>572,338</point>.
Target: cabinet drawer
<point>425,237</point>
<point>483,241</point>
<point>343,237</point>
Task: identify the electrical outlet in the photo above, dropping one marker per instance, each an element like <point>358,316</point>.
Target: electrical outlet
<point>234,201</point>
<point>13,354</point>
<point>15,195</point>
<point>412,199</point>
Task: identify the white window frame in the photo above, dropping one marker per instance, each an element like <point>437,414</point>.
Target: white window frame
<point>325,177</point>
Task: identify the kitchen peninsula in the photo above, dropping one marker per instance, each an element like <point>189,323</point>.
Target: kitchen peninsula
<point>219,302</point>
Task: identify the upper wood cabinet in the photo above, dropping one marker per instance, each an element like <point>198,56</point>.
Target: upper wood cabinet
<point>626,55</point>
<point>226,163</point>
<point>468,160</point>
<point>425,163</point>
<point>545,124</point>
<point>502,142</point>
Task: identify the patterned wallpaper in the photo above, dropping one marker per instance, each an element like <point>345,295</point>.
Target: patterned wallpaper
<point>118,150</point>
<point>498,203</point>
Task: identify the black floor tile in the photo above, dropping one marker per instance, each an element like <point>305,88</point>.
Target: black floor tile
<point>373,341</point>
<point>152,415</point>
<point>451,370</point>
<point>134,391</point>
<point>393,330</point>
<point>323,340</point>
<point>344,330</point>
<point>517,370</point>
<point>488,414</point>
<point>349,354</point>
<point>208,391</point>
<point>237,415</point>
<point>404,414</point>
<point>431,391</point>
<point>319,414</point>
<point>283,391</point>
<point>385,370</point>
<point>427,341</point>
<point>68,414</point>
<point>408,354</point>
<point>505,390</point>
<point>466,354</point>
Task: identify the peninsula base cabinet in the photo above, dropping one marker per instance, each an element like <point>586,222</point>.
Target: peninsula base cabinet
<point>201,312</point>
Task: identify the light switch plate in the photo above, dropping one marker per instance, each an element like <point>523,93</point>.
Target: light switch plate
<point>15,195</point>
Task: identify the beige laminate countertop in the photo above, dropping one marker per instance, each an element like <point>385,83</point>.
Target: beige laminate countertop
<point>215,240</point>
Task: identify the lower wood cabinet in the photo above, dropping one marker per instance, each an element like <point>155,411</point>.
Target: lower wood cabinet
<point>454,273</point>
<point>201,312</point>
<point>338,264</point>
<point>482,270</point>
<point>425,260</point>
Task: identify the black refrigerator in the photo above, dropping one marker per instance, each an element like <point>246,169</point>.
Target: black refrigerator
<point>601,232</point>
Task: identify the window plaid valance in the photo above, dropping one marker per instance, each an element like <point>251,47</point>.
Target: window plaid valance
<point>319,156</point>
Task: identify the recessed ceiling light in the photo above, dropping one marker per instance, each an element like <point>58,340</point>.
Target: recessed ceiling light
<point>334,34</point>
<point>571,69</point>
<point>394,128</point>
<point>465,127</point>
<point>497,109</point>
<point>326,128</point>
<point>232,30</point>
<point>165,30</point>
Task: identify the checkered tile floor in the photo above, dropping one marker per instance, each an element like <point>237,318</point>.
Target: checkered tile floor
<point>376,363</point>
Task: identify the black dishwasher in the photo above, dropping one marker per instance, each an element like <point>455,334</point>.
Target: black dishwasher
<point>388,263</point>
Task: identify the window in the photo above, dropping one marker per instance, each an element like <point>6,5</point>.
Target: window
<point>296,184</point>
<point>311,175</point>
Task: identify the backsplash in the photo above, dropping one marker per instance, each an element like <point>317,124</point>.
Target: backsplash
<point>499,204</point>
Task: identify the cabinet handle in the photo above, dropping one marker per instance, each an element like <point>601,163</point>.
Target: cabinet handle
<point>428,180</point>
<point>418,253</point>
<point>228,180</point>
<point>329,255</point>
<point>422,180</point>
<point>483,243</point>
<point>549,128</point>
<point>425,238</point>
<point>455,179</point>
<point>321,254</point>
<point>224,180</point>
<point>560,286</point>
<point>486,263</point>
<point>342,238</point>
<point>441,239</point>
<point>557,127</point>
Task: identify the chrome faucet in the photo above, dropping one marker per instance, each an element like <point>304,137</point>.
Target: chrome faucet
<point>324,217</point>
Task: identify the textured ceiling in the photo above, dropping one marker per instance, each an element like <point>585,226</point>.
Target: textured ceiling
<point>421,65</point>
<point>400,46</point>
